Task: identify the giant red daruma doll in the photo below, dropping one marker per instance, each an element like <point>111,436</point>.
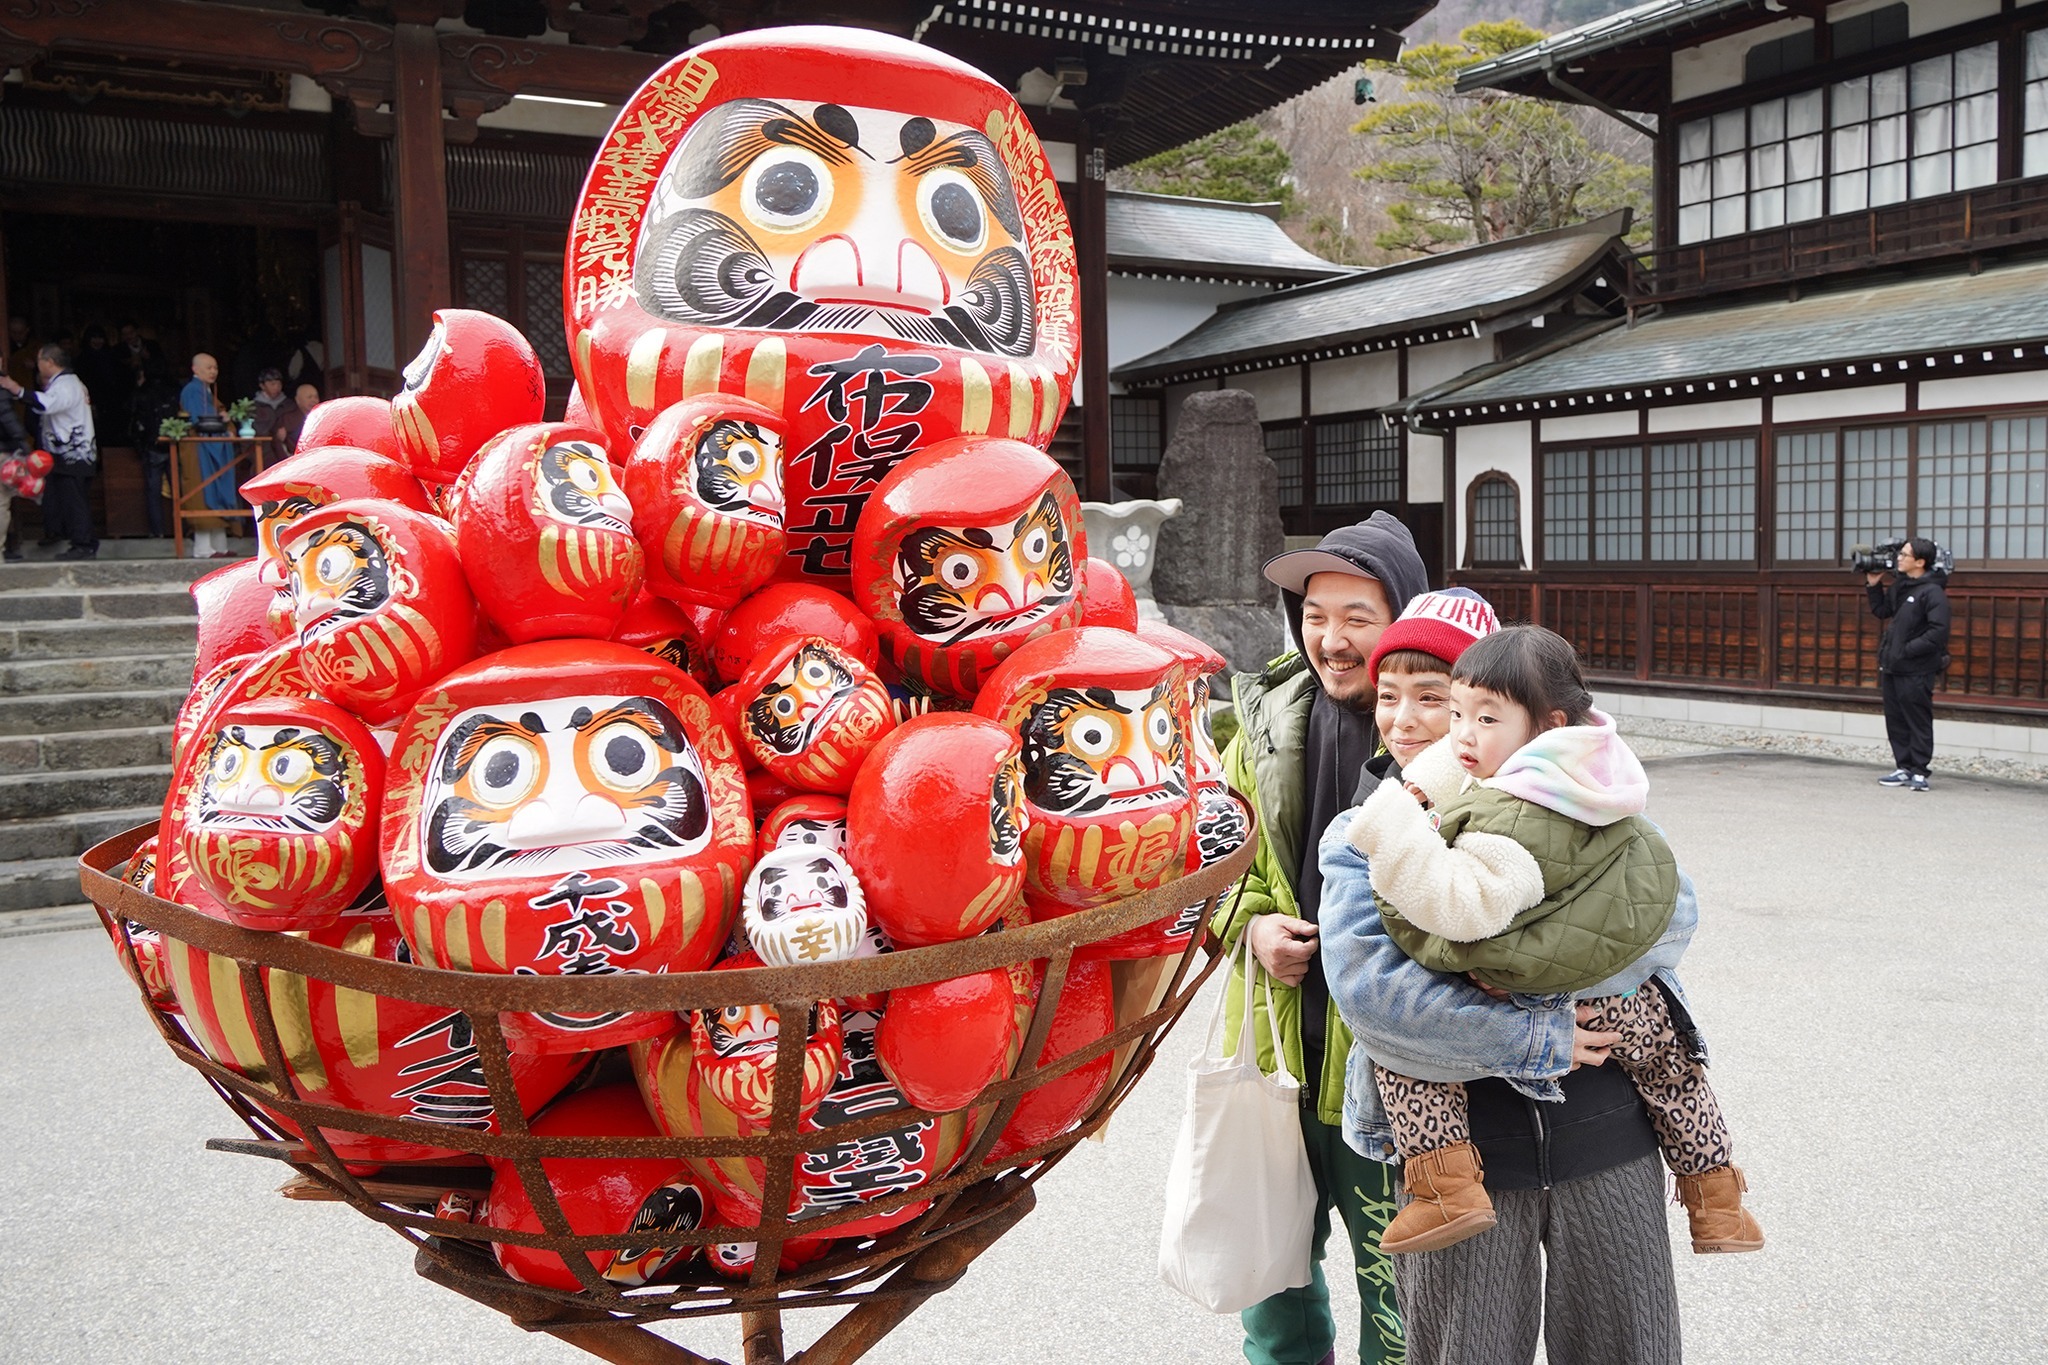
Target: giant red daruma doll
<point>566,808</point>
<point>860,234</point>
<point>1107,794</point>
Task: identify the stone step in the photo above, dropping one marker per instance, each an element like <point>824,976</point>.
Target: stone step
<point>162,601</point>
<point>58,713</point>
<point>67,836</point>
<point>138,747</point>
<point>105,573</point>
<point>27,795</point>
<point>38,884</point>
<point>97,639</point>
<point>115,673</point>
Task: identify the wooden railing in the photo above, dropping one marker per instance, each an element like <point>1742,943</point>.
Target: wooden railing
<point>1796,638</point>
<point>1996,216</point>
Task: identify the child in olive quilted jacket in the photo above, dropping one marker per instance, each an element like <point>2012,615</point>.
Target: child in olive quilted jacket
<point>1515,851</point>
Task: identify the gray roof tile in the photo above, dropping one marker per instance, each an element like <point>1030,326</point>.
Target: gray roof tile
<point>1206,236</point>
<point>1476,283</point>
<point>1907,318</point>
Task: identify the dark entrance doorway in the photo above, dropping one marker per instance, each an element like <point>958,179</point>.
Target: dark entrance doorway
<point>247,294</point>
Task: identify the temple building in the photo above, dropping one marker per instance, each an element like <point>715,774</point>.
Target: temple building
<point>308,182</point>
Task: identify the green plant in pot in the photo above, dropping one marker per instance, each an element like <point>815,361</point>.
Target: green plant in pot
<point>173,429</point>
<point>241,414</point>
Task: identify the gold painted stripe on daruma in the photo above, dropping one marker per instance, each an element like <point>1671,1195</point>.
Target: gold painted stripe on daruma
<point>701,366</point>
<point>292,1012</point>
<point>977,398</point>
<point>456,927</point>
<point>643,367</point>
<point>493,934</point>
<point>581,363</point>
<point>1048,404</point>
<point>1023,402</point>
<point>355,1012</point>
<point>551,560</point>
<point>657,907</point>
<point>765,370</point>
<point>231,1011</point>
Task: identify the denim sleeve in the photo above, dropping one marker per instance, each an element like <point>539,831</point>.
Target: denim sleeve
<point>1416,1021</point>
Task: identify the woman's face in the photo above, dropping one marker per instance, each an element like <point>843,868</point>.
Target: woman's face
<point>1487,728</point>
<point>1412,711</point>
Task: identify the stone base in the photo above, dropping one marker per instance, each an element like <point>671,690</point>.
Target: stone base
<point>1248,634</point>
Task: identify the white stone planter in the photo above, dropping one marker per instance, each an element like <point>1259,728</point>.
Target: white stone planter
<point>1126,534</point>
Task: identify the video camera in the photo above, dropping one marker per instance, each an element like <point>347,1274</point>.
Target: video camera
<point>1885,558</point>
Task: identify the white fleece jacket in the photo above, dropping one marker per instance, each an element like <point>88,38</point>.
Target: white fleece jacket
<point>1473,889</point>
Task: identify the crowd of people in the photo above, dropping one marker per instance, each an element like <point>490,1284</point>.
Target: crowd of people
<point>76,396</point>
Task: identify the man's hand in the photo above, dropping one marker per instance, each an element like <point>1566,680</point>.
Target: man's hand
<point>1873,579</point>
<point>1283,946</point>
<point>1589,1048</point>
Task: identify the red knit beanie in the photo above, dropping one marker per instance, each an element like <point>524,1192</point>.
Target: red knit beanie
<point>1439,624</point>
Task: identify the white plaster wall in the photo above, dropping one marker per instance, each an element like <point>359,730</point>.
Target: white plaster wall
<point>1985,390</point>
<point>1066,162</point>
<point>1510,448</point>
<point>546,116</point>
<point>1593,426</point>
<point>1872,401</point>
<point>1145,315</point>
<point>1717,65</point>
<point>1442,361</point>
<point>1278,392</point>
<point>1354,382</point>
<point>306,96</point>
<point>1931,16</point>
<point>1425,468</point>
<point>1735,412</point>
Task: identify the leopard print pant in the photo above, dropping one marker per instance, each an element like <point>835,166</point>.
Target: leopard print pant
<point>1424,1115</point>
<point>1427,1115</point>
<point>1674,1087</point>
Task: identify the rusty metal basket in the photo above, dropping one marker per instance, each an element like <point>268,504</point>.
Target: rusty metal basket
<point>881,1280</point>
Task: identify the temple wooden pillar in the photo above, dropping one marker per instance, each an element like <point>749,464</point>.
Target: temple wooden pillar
<point>419,168</point>
<point>1091,248</point>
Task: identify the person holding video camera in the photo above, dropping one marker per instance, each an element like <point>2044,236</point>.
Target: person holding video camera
<point>1912,654</point>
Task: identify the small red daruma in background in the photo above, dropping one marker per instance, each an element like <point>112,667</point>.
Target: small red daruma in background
<point>949,787</point>
<point>359,421</point>
<point>233,606</point>
<point>1106,596</point>
<point>1086,1014</point>
<point>546,534</point>
<point>810,713</point>
<point>476,376</point>
<point>942,1041</point>
<point>651,1195</point>
<point>282,829</point>
<point>814,820</point>
<point>666,631</point>
<point>968,549</point>
<point>705,480</point>
<point>380,602</point>
<point>784,609</point>
<point>1103,719</point>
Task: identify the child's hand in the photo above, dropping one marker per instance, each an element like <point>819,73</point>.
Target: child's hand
<point>1496,992</point>
<point>1421,796</point>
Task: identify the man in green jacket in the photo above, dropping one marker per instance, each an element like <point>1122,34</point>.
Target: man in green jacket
<point>1305,732</point>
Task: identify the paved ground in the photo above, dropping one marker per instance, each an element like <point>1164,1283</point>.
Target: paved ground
<point>1869,966</point>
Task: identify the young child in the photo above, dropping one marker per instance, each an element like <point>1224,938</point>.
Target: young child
<point>1515,851</point>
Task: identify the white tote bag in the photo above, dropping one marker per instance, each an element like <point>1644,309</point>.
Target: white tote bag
<point>1240,1201</point>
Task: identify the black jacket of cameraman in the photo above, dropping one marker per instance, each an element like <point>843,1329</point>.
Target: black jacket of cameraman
<point>1918,610</point>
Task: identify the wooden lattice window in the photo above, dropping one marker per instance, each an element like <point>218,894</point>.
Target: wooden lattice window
<point>1494,514</point>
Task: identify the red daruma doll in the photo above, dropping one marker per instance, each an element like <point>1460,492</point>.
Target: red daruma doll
<point>546,535</point>
<point>380,602</point>
<point>282,827</point>
<point>706,485</point>
<point>810,713</point>
<point>935,828</point>
<point>1108,802</point>
<point>966,551</point>
<point>475,376</point>
<point>567,808</point>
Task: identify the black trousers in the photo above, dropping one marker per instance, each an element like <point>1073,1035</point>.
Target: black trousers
<point>1909,718</point>
<point>67,515</point>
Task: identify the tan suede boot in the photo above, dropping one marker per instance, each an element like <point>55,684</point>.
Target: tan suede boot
<point>1447,1203</point>
<point>1713,1205</point>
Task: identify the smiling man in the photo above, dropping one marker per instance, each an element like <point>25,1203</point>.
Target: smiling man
<point>1306,731</point>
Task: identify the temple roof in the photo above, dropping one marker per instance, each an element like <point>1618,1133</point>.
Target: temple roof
<point>1924,328</point>
<point>1165,234</point>
<point>1623,58</point>
<point>1417,301</point>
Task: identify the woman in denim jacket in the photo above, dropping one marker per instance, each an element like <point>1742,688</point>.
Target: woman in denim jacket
<point>1571,1160</point>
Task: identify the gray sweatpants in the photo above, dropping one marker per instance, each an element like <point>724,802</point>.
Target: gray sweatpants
<point>1586,1263</point>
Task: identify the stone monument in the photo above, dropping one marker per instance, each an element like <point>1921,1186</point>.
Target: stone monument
<point>1207,580</point>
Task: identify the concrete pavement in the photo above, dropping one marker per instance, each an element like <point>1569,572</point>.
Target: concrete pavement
<point>1869,969</point>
